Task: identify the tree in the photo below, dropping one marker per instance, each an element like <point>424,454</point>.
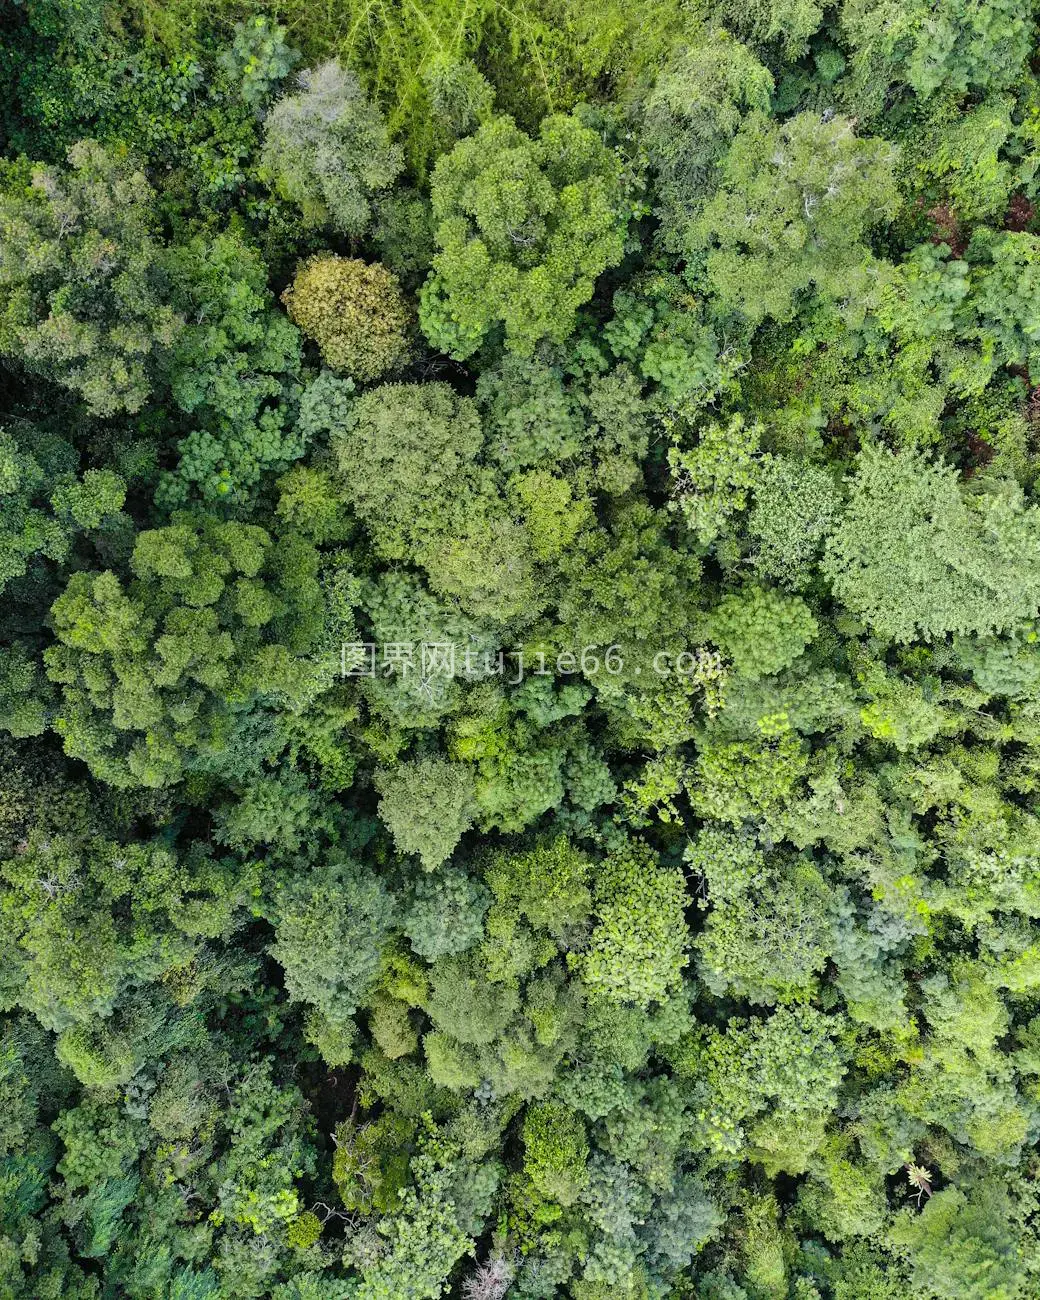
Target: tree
<point>915,555</point>
<point>355,312</point>
<point>785,23</point>
<point>626,583</point>
<point>786,1067</point>
<point>327,149</point>
<point>82,924</point>
<point>949,47</point>
<point>267,1151</point>
<point>27,528</point>
<point>713,479</point>
<point>463,1005</point>
<point>555,1151</point>
<point>530,416</point>
<point>963,1245</point>
<point>549,812</point>
<point>330,925</point>
<point>770,929</point>
<point>235,369</point>
<point>407,692</point>
<point>762,631</point>
<point>1006,297</point>
<point>259,59</point>
<point>548,886</point>
<point>84,298</point>
<point>151,671</point>
<point>24,694</point>
<point>637,948</point>
<point>427,806</point>
<point>524,227</point>
<point>409,457</point>
<point>424,1239</point>
<point>664,332</point>
<point>406,453</point>
<point>791,215</point>
<point>793,511</point>
<point>370,1167</point>
<point>693,111</point>
<point>445,914</point>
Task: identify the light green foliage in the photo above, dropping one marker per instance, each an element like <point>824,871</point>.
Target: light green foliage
<point>83,299</point>
<point>769,932</point>
<point>548,886</point>
<point>266,1154</point>
<point>793,511</point>
<point>637,948</point>
<point>405,453</point>
<point>515,787</point>
<point>925,296</point>
<point>370,1167</point>
<point>551,515</point>
<point>326,149</point>
<point>416,61</point>
<point>98,1144</point>
<point>1007,295</point>
<point>712,480</point>
<point>530,417</point>
<point>932,47</point>
<point>427,806</point>
<point>23,693</point>
<point>463,1005</point>
<point>617,423</point>
<point>99,494</point>
<point>259,58</point>
<point>524,227</point>
<point>408,456</point>
<point>505,1015</point>
<point>84,923</point>
<point>27,529</point>
<point>485,562</point>
<point>791,215</point>
<point>424,1240</point>
<point>309,504</point>
<point>149,671</point>
<point>915,555</point>
<point>899,711</point>
<point>355,313</point>
<point>403,613</point>
<point>626,584</point>
<point>778,1076</point>
<point>846,1198</point>
<point>460,96</point>
<point>694,110</point>
<point>960,160</point>
<point>747,780</point>
<point>445,914</point>
<point>99,1170</point>
<point>659,328</point>
<point>787,23</point>
<point>544,810</point>
<point>761,630</point>
<point>862,1274</point>
<point>234,369</point>
<point>963,1245</point>
<point>555,1151</point>
<point>329,927</point>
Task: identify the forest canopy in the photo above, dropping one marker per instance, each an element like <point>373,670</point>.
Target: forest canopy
<point>519,650</point>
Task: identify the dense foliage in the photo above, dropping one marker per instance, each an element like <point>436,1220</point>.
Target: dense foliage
<point>520,650</point>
